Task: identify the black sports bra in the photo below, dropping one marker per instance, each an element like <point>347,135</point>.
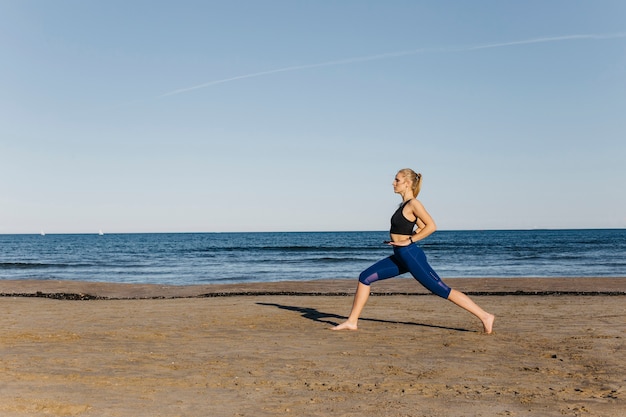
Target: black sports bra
<point>399,224</point>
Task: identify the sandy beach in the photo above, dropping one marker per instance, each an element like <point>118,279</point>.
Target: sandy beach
<point>95,349</point>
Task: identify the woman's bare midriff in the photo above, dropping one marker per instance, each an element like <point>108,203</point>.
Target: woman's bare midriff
<point>398,238</point>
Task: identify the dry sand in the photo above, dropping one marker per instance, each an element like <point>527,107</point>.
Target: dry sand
<point>266,350</point>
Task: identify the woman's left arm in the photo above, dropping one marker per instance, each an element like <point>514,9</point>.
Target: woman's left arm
<point>425,224</point>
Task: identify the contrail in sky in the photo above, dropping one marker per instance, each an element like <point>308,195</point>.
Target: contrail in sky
<point>395,55</point>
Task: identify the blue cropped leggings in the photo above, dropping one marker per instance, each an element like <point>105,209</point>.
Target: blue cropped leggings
<point>406,259</point>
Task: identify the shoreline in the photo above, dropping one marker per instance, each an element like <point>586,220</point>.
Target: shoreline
<point>86,290</point>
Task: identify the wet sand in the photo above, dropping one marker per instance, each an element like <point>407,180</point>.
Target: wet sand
<point>92,349</point>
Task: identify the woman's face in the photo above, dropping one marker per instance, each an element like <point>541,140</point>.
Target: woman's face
<point>399,183</point>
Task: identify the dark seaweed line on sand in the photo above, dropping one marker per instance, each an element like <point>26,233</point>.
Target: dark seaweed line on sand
<point>88,297</point>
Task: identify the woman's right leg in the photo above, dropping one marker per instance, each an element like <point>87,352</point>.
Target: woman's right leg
<point>360,298</point>
<point>386,268</point>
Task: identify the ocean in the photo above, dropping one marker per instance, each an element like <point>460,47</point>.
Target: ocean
<point>206,258</point>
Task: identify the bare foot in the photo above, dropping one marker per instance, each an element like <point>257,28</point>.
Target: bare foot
<point>345,326</point>
<point>488,323</point>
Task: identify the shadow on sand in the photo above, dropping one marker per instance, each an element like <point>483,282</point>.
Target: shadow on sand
<point>321,317</point>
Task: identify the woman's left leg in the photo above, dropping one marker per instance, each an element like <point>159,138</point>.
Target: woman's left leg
<point>415,260</point>
<point>463,301</point>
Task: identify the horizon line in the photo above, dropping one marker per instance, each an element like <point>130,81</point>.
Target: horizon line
<point>312,231</point>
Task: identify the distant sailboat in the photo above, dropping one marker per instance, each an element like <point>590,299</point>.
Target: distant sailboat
<point>101,233</point>
<point>42,233</point>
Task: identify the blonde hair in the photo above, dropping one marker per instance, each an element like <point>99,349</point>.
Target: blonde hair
<point>414,178</point>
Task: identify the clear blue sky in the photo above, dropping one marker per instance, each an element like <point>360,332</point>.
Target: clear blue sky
<point>201,116</point>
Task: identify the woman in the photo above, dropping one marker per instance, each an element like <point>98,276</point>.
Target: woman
<point>410,223</point>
